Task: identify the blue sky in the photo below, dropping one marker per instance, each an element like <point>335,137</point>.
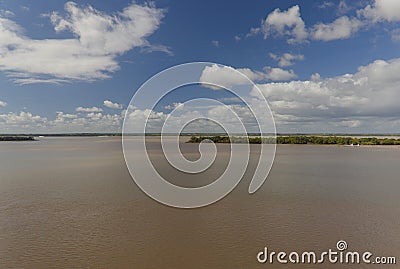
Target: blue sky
<point>324,66</point>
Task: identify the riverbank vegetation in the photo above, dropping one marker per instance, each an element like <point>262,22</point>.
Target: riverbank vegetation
<point>17,138</point>
<point>300,139</point>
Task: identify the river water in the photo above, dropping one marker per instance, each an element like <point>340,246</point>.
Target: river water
<point>70,202</point>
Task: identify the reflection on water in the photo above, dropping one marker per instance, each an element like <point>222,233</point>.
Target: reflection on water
<point>70,202</point>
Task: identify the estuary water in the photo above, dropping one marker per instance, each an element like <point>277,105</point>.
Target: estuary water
<point>71,203</point>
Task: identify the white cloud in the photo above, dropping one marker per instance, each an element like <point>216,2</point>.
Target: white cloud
<point>253,31</point>
<point>99,39</point>
<point>366,101</point>
<point>343,7</point>
<point>350,123</point>
<point>6,13</point>
<point>3,104</point>
<point>228,77</point>
<point>290,25</point>
<point>215,43</point>
<point>344,27</point>
<point>66,116</point>
<point>62,117</point>
<point>382,10</point>
<point>341,28</point>
<point>252,75</point>
<point>285,23</point>
<point>203,114</point>
<point>154,120</point>
<point>315,77</point>
<point>24,8</point>
<point>286,59</point>
<point>88,109</point>
<point>154,48</point>
<point>175,105</point>
<point>112,105</point>
<point>94,116</point>
<point>396,35</point>
<point>359,100</point>
<point>326,4</point>
<point>26,122</point>
<point>23,119</point>
<point>276,74</point>
<point>92,122</point>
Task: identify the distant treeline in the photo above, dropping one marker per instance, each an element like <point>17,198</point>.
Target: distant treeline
<point>235,139</point>
<point>303,139</point>
<point>63,134</point>
<point>17,138</point>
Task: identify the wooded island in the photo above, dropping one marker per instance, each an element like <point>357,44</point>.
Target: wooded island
<point>300,139</point>
<point>17,138</point>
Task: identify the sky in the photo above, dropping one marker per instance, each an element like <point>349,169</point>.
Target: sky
<point>323,66</point>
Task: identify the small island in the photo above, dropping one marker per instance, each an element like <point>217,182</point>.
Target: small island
<point>300,139</point>
<point>16,138</point>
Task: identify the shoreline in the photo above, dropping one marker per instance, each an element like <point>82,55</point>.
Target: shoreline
<point>16,138</point>
<point>345,146</point>
<point>280,140</point>
<point>300,140</point>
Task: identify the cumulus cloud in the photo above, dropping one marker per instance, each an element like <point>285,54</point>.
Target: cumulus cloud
<point>154,120</point>
<point>62,117</point>
<point>253,31</point>
<point>276,74</point>
<point>88,109</point>
<point>6,13</point>
<point>204,116</point>
<point>18,121</point>
<point>66,116</point>
<point>315,77</point>
<point>99,38</point>
<point>326,4</point>
<point>175,105</point>
<point>341,28</point>
<point>109,104</point>
<point>365,101</point>
<point>343,7</point>
<point>285,23</point>
<point>227,76</point>
<point>286,59</point>
<point>290,25</point>
<point>3,104</point>
<point>344,27</point>
<point>382,10</point>
<point>27,122</point>
<point>357,100</point>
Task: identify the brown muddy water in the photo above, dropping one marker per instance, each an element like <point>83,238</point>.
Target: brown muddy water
<point>71,203</point>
